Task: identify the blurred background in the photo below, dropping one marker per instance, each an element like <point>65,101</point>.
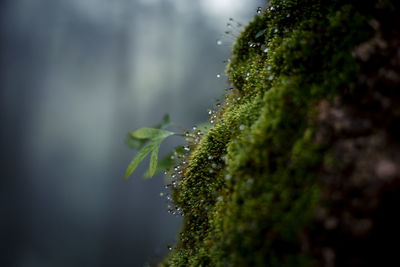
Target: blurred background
<point>75,77</point>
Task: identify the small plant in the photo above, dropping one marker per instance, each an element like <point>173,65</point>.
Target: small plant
<point>138,139</point>
<point>153,137</point>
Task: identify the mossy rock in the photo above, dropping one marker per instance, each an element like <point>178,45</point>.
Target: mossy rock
<point>299,144</point>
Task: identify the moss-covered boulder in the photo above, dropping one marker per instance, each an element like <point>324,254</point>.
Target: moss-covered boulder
<point>302,164</point>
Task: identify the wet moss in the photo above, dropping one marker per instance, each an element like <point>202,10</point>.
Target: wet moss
<point>249,190</point>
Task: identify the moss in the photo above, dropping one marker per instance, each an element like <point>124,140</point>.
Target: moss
<point>249,189</point>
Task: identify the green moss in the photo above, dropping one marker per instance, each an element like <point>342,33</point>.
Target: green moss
<point>249,187</point>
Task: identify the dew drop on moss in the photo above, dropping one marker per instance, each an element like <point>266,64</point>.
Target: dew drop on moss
<point>218,75</point>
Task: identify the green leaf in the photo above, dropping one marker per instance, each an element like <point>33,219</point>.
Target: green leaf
<point>261,33</point>
<point>154,157</point>
<point>138,143</point>
<point>163,164</point>
<point>137,159</point>
<point>204,127</point>
<point>157,136</point>
<point>145,133</point>
<point>165,122</point>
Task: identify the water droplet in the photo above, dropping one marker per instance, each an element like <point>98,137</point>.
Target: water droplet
<point>210,157</point>
<point>269,68</point>
<point>210,112</point>
<point>219,198</point>
<point>248,74</point>
<point>271,77</point>
<point>186,148</point>
<point>276,30</point>
<point>259,10</point>
<point>271,8</point>
<point>228,177</point>
<point>161,194</point>
<point>238,99</point>
<point>194,128</point>
<point>266,50</point>
<point>242,127</point>
<point>211,121</point>
<point>219,42</point>
<point>288,15</point>
<point>213,165</point>
<point>218,75</point>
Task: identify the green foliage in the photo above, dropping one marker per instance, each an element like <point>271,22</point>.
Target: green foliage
<point>138,143</point>
<point>138,138</point>
<point>156,136</point>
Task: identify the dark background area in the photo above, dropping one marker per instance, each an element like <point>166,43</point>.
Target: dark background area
<point>75,77</point>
